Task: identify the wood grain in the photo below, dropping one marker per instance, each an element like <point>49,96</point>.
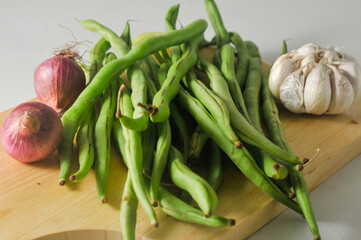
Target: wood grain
<point>32,204</point>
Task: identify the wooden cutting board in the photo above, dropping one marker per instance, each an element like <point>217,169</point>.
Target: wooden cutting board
<point>32,204</point>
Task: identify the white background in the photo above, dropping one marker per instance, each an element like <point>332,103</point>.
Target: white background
<point>31,30</point>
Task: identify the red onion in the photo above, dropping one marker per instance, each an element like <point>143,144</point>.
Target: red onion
<point>31,132</point>
<point>58,82</point>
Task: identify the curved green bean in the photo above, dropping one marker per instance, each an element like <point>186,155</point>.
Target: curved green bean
<point>85,142</point>
<point>197,142</point>
<point>227,68</point>
<point>170,22</point>
<point>214,174</point>
<point>242,58</point>
<point>175,207</point>
<point>160,158</point>
<point>126,35</point>
<point>102,139</point>
<point>222,36</point>
<point>186,179</point>
<point>169,88</point>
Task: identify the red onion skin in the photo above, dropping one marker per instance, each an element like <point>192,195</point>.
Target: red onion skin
<point>34,140</point>
<point>58,81</point>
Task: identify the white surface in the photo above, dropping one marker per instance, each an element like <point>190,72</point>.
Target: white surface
<point>31,30</point>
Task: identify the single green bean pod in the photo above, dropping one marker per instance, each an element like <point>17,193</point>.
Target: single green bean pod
<point>189,181</point>
<point>128,211</point>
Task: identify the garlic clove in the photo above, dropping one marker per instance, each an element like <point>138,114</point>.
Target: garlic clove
<point>291,92</point>
<point>342,92</point>
<point>308,49</point>
<point>282,68</point>
<point>317,91</point>
<point>351,69</point>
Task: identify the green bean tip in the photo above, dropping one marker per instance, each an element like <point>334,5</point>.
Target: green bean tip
<point>318,238</point>
<point>156,225</point>
<point>155,204</point>
<point>208,215</point>
<point>62,182</point>
<point>305,160</point>
<point>299,167</point>
<point>104,200</point>
<point>232,222</point>
<point>72,178</point>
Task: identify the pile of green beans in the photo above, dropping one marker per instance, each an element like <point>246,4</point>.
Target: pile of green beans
<point>174,127</point>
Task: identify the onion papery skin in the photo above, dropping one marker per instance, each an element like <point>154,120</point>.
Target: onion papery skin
<point>36,141</point>
<point>58,81</point>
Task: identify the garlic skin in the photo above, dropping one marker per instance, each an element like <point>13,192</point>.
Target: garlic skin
<point>316,80</point>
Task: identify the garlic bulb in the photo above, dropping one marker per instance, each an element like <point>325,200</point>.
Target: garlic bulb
<point>316,80</point>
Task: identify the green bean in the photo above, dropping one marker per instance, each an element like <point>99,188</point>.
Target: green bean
<point>284,48</point>
<point>240,124</point>
<point>159,57</point>
<point>229,73</point>
<point>214,105</point>
<point>118,137</point>
<point>85,142</point>
<point>126,35</point>
<point>160,158</point>
<point>102,139</point>
<point>242,58</point>
<point>189,181</point>
<point>182,127</point>
<point>178,209</point>
<point>134,157</point>
<point>222,36</point>
<point>128,210</point>
<point>139,120</point>
<point>169,88</point>
<point>170,22</point>
<point>149,140</point>
<point>197,142</point>
<point>162,73</point>
<point>214,166</point>
<point>153,68</point>
<point>252,49</point>
<point>240,157</point>
<point>85,136</point>
<point>270,167</point>
<point>173,206</point>
<point>285,186</point>
<point>277,135</point>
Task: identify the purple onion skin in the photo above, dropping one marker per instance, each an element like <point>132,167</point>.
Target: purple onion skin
<point>31,132</point>
<point>58,81</point>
